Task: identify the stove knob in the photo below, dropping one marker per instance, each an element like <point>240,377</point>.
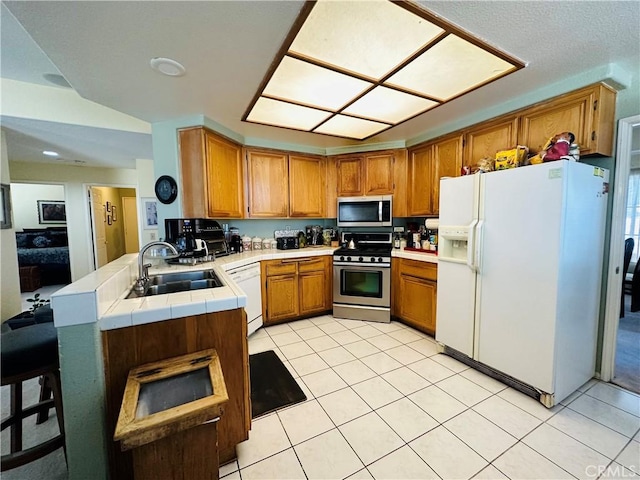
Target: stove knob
<point>342,258</point>
<point>380,259</point>
<point>373,259</point>
<point>348,259</point>
<point>361,259</point>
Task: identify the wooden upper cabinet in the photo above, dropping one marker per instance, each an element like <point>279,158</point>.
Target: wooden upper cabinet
<point>350,177</point>
<point>588,113</point>
<point>212,176</point>
<point>379,174</point>
<point>307,189</point>
<point>447,155</point>
<point>488,138</point>
<point>332,187</point>
<point>267,184</point>
<point>420,181</point>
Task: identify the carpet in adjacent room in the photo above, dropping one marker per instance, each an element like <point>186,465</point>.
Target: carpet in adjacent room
<point>272,385</point>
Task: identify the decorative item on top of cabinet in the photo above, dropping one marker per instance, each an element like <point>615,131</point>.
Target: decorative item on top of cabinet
<point>414,293</point>
<point>267,184</point>
<point>296,288</point>
<point>212,177</point>
<point>428,163</point>
<point>588,113</point>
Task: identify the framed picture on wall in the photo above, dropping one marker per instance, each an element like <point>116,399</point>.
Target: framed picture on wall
<point>109,219</point>
<point>114,216</point>
<point>150,213</point>
<point>51,211</point>
<point>5,206</point>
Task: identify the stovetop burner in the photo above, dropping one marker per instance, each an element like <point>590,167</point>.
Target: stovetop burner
<point>369,247</point>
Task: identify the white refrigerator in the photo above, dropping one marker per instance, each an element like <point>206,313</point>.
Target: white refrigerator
<point>520,270</point>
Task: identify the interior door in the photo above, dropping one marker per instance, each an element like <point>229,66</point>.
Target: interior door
<point>98,216</point>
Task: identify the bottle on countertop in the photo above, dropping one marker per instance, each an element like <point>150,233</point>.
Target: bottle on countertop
<point>396,241</point>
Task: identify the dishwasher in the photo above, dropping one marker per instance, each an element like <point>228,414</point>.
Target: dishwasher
<point>248,279</point>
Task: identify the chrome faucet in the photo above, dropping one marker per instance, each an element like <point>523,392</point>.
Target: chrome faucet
<point>143,268</point>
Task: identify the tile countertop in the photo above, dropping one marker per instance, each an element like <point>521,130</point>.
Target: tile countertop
<point>415,255</point>
<point>100,296</point>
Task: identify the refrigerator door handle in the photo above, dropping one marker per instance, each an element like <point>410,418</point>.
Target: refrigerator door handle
<point>478,245</point>
<point>471,246</point>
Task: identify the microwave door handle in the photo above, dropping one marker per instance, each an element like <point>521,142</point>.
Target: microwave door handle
<point>380,211</point>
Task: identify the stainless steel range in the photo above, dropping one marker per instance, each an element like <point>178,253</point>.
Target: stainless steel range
<point>362,277</point>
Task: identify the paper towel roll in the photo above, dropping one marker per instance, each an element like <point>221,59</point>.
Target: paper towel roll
<point>432,223</point>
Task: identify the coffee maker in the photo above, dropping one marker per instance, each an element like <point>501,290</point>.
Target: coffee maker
<point>314,235</point>
<point>196,237</point>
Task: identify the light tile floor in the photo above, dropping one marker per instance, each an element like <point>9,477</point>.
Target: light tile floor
<point>383,403</point>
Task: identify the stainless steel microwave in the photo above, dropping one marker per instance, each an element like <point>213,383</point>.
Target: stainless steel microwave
<point>373,211</point>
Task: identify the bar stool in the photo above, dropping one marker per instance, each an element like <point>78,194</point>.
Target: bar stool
<point>27,353</point>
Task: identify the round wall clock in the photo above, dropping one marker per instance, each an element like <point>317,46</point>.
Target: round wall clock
<point>166,189</point>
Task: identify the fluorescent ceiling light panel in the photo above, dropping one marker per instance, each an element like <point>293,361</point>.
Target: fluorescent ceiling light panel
<point>450,68</point>
<point>282,114</point>
<point>370,38</point>
<point>389,105</point>
<point>354,68</point>
<point>308,84</point>
<point>344,126</point>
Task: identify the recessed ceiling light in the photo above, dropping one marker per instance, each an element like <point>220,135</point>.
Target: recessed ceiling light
<point>355,69</point>
<point>167,66</point>
<point>50,153</point>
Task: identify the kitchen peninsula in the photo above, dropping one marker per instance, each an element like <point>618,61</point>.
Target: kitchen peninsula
<point>102,335</point>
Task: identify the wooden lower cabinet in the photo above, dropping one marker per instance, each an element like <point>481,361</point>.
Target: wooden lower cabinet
<point>282,298</point>
<point>414,293</point>
<point>296,288</point>
<point>126,348</point>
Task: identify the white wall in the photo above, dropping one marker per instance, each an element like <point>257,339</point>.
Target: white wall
<point>75,181</point>
<point>24,200</point>
<point>146,189</point>
<point>10,301</point>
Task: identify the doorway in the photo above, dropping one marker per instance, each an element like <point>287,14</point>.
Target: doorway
<point>114,221</point>
<point>621,340</point>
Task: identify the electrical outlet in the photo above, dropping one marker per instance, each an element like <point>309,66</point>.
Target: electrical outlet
<point>152,236</point>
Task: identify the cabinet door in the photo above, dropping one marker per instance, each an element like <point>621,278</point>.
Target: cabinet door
<point>587,113</point>
<point>282,298</point>
<point>486,140</point>
<point>224,178</point>
<point>307,190</point>
<point>311,287</point>
<point>420,182</point>
<point>332,187</point>
<point>417,303</point>
<point>268,180</point>
<point>350,175</point>
<point>447,155</point>
<point>379,174</point>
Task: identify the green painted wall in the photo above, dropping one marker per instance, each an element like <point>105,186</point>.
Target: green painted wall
<point>83,397</point>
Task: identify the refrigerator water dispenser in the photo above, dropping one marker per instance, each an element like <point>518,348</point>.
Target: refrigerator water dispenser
<point>453,243</point>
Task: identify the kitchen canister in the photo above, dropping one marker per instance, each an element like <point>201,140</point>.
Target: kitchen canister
<point>274,244</point>
<point>256,243</point>
<point>266,244</point>
<point>246,243</point>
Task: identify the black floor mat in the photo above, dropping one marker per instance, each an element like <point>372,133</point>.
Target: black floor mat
<point>272,386</point>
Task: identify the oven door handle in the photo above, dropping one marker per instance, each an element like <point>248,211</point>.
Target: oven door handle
<point>362,265</point>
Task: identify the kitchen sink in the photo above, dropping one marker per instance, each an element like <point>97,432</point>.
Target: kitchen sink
<point>178,282</point>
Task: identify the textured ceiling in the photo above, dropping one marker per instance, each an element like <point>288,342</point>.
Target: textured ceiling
<point>103,50</point>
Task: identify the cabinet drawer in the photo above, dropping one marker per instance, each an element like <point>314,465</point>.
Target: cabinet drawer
<point>425,270</point>
<point>281,267</point>
<point>311,264</point>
